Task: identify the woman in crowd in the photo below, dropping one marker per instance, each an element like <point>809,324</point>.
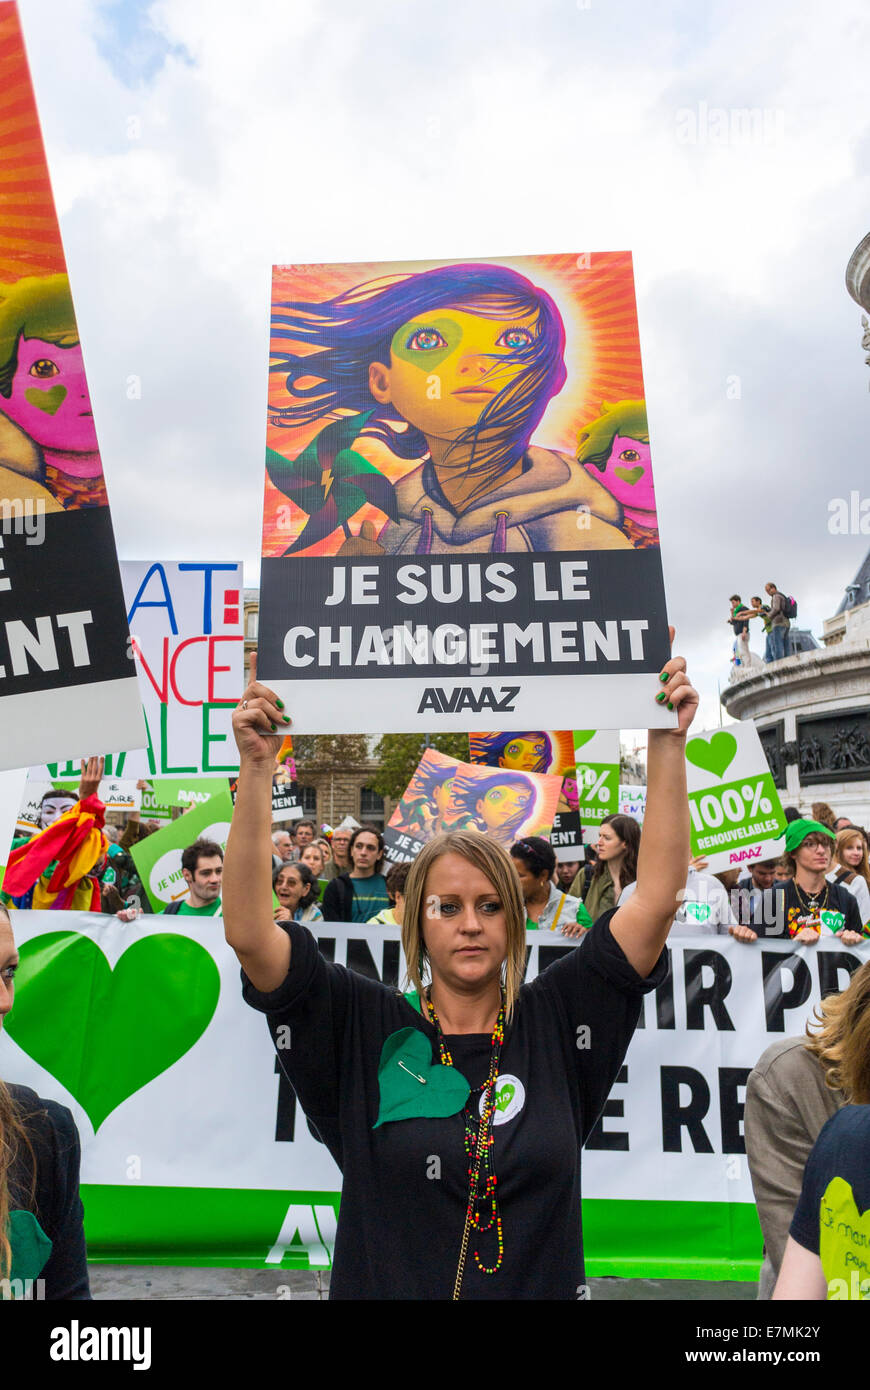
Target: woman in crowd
<point>516,1098</point>
<point>296,890</point>
<point>850,868</point>
<point>41,1216</point>
<point>615,867</point>
<point>397,876</point>
<point>817,1105</point>
<point>361,894</point>
<point>312,856</point>
<point>547,906</point>
<point>793,1090</point>
<point>330,868</point>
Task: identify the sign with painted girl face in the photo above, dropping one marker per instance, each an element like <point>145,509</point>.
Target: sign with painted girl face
<point>459,516</point>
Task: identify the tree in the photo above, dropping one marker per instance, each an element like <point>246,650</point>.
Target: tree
<point>316,751</point>
<point>399,754</point>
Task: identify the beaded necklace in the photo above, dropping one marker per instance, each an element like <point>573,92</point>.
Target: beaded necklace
<point>479,1140</point>
<point>811,903</point>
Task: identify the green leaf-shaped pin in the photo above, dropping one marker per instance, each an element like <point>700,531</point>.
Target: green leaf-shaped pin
<point>411,1086</point>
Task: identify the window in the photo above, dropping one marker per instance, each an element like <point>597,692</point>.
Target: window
<point>251,623</point>
<point>308,797</point>
<point>371,807</point>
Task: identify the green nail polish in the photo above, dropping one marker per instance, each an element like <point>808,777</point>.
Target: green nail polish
<point>670,704</point>
<point>660,696</point>
<point>286,719</point>
<point>280,704</point>
<point>274,728</point>
<point>663,676</point>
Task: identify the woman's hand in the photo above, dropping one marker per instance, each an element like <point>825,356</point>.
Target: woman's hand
<point>283,915</point>
<point>807,934</point>
<point>259,710</point>
<point>743,933</point>
<point>92,776</point>
<point>676,692</point>
<point>574,929</point>
<point>849,938</point>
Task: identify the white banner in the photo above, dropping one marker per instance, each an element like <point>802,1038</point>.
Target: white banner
<point>142,1031</point>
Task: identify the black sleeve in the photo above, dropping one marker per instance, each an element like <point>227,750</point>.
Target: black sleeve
<point>306,1016</point>
<point>59,1209</point>
<point>852,912</point>
<point>334,906</point>
<point>805,1225</point>
<point>596,989</point>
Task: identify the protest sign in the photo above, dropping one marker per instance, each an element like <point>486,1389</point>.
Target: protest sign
<point>445,794</point>
<point>631,802</point>
<point>547,751</point>
<point>597,754</point>
<point>735,819</point>
<point>158,857</point>
<point>177,1168</point>
<point>67,683</point>
<point>116,793</point>
<point>286,802</point>
<point>459,512</point>
<point>11,790</point>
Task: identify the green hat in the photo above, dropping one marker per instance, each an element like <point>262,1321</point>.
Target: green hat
<point>797,831</point>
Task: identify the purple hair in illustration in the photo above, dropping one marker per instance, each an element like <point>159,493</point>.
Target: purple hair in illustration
<point>356,328</point>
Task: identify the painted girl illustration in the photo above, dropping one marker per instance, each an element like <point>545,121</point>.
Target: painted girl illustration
<point>617,445</point>
<point>525,752</point>
<point>497,806</point>
<point>452,369</point>
<point>47,433</point>
<point>428,809</point>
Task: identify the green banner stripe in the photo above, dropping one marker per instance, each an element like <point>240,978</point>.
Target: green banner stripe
<point>236,1228</point>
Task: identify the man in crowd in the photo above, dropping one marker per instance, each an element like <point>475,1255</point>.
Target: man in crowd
<point>282,848</point>
<point>202,865</point>
<point>779,623</point>
<point>752,884</point>
<point>806,905</point>
<point>340,843</point>
<point>304,834</point>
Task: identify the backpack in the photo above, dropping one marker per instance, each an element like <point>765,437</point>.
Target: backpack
<point>789,606</point>
<point>172,909</point>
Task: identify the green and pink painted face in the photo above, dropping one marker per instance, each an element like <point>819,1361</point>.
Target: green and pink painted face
<point>50,402</point>
<point>628,475</point>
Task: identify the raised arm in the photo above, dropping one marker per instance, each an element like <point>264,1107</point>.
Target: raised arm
<point>641,926</point>
<point>262,947</point>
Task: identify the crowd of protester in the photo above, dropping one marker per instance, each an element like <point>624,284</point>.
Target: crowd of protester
<point>775,615</point>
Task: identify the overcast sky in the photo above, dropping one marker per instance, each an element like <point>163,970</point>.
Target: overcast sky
<point>193,143</point>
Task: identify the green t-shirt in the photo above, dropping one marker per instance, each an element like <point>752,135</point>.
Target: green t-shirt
<point>210,910</point>
<point>370,897</point>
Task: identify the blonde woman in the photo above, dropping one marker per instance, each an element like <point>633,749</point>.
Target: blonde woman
<point>850,867</point>
<point>457,1122</point>
<point>41,1217</point>
<point>793,1090</point>
<point>825,1254</point>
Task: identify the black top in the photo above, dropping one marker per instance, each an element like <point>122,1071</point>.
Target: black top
<point>830,1218</point>
<point>405,1184</point>
<point>57,1205</point>
<point>785,910</point>
<point>338,899</point>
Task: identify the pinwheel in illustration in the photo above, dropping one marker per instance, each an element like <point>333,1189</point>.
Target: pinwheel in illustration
<point>330,481</point>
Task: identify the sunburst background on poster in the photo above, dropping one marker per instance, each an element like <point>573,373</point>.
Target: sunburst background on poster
<point>562,759</point>
<point>30,241</point>
<point>594,293</point>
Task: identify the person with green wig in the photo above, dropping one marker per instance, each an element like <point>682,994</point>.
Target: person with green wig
<point>807,905</point>
<point>47,434</point>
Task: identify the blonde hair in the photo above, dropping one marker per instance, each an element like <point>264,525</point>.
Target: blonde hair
<point>844,837</point>
<point>13,1140</point>
<point>840,1038</point>
<point>497,865</point>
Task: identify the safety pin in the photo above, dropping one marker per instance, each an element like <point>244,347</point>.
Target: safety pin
<point>421,1079</point>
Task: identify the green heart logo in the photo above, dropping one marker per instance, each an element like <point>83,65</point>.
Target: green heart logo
<point>629,475</point>
<point>582,736</point>
<point>700,911</point>
<point>47,398</point>
<point>832,920</point>
<point>411,1086</point>
<point>504,1096</point>
<point>104,1033</point>
<point>713,756</point>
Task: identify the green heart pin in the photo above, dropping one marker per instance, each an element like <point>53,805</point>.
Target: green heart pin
<point>104,1033</point>
<point>699,911</point>
<point>714,755</point>
<point>504,1095</point>
<point>411,1086</point>
<point>629,475</point>
<point>832,920</point>
<point>49,399</point>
